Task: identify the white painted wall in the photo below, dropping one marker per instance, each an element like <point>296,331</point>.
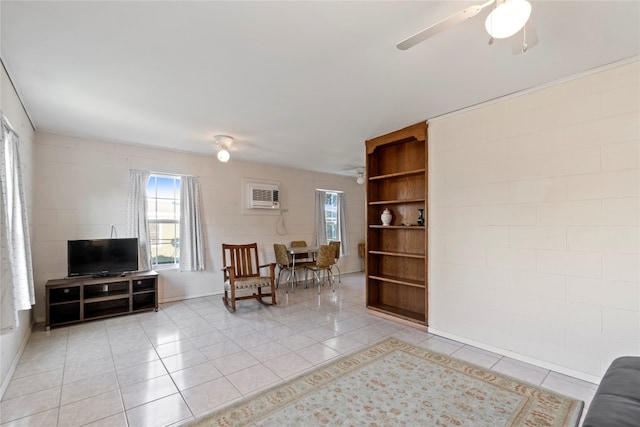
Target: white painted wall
<point>81,189</point>
<point>11,344</point>
<point>534,216</point>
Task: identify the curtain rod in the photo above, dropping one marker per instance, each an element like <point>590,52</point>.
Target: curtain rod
<point>166,173</point>
<point>329,191</point>
<point>15,89</point>
<point>5,122</point>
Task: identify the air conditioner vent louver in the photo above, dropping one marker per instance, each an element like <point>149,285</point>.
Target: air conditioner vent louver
<point>264,197</point>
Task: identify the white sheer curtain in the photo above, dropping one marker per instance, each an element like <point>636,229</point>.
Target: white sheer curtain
<point>16,286</point>
<point>343,226</point>
<point>321,225</point>
<point>137,219</point>
<point>191,242</point>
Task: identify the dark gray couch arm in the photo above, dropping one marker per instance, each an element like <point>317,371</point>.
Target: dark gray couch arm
<point>617,400</point>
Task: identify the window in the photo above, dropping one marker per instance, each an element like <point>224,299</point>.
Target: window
<point>331,219</point>
<point>163,205</point>
<point>331,216</point>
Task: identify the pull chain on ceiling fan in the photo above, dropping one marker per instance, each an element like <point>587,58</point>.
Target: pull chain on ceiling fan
<point>506,19</point>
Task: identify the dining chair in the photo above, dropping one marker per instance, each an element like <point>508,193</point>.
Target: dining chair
<point>242,273</point>
<point>325,260</point>
<point>284,262</point>
<point>336,246</point>
<point>302,257</point>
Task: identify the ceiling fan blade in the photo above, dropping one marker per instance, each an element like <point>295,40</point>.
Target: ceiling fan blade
<point>524,39</point>
<point>454,19</point>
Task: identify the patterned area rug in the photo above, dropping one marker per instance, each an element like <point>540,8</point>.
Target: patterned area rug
<point>394,383</point>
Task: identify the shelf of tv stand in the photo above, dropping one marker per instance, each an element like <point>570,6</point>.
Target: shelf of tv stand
<point>76,299</point>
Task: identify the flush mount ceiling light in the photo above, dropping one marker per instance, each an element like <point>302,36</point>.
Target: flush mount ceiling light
<point>223,142</point>
<point>508,17</point>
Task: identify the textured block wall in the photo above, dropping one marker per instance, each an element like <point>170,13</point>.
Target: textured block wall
<point>534,216</point>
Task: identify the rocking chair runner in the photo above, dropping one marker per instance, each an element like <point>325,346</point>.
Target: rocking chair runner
<point>242,272</point>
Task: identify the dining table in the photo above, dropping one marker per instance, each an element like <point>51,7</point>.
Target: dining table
<point>312,251</point>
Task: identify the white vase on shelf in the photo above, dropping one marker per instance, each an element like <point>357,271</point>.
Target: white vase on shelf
<point>386,217</point>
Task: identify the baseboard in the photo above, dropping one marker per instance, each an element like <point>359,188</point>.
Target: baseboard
<point>522,358</point>
<point>184,298</point>
<point>14,364</point>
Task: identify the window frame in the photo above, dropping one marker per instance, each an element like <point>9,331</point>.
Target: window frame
<point>327,213</point>
<point>155,223</point>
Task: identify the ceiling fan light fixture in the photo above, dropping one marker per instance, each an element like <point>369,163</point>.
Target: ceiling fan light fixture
<point>223,155</point>
<point>508,18</point>
<point>360,177</point>
<point>223,142</point>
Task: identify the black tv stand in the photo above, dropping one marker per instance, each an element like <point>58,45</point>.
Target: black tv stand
<point>78,299</point>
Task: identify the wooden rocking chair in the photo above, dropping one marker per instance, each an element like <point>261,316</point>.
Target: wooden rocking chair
<point>242,272</point>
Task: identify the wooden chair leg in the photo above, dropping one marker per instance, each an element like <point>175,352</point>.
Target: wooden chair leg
<point>260,296</point>
<point>230,304</point>
<point>273,295</point>
<point>273,287</point>
<point>233,298</point>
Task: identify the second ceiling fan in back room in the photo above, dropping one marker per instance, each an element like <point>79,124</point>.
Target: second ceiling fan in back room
<point>506,19</point>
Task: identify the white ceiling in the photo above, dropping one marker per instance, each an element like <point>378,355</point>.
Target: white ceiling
<point>300,84</point>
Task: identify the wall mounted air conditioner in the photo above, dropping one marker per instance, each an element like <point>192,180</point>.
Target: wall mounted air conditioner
<point>263,196</point>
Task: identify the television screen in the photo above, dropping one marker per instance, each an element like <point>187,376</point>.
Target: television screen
<point>102,257</point>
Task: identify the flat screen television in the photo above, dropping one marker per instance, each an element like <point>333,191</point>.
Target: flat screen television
<point>102,257</point>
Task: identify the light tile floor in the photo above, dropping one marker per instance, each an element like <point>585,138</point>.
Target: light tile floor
<point>192,356</point>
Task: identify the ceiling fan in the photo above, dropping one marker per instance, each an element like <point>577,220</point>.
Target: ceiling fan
<point>359,172</point>
<point>506,19</point>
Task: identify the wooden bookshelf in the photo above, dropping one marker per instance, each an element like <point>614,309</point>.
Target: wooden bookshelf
<point>396,267</point>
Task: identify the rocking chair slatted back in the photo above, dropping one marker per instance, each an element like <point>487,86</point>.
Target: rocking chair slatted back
<point>243,259</point>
